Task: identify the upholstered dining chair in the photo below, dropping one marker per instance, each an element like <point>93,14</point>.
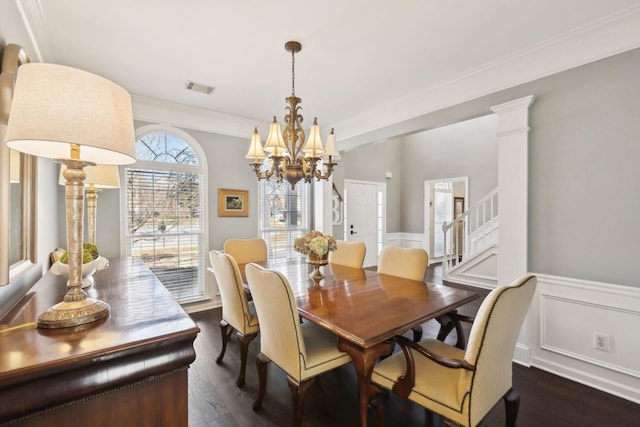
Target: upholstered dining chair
<point>302,350</point>
<point>238,314</point>
<point>408,263</point>
<point>350,254</point>
<point>246,250</point>
<point>463,385</point>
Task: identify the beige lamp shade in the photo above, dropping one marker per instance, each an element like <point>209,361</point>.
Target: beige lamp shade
<point>101,176</point>
<point>55,106</point>
<point>275,143</point>
<point>255,149</point>
<point>313,147</point>
<point>330,147</point>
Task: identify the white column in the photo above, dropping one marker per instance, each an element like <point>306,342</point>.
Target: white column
<point>323,203</point>
<point>513,179</point>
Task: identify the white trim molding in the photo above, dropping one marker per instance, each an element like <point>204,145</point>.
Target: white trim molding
<point>568,313</point>
<point>183,116</point>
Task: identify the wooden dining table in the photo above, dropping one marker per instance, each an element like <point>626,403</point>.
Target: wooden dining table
<point>365,309</point>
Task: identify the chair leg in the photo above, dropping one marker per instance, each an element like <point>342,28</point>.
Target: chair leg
<point>447,323</point>
<point>225,333</point>
<point>298,394</point>
<point>446,326</point>
<point>261,362</point>
<point>417,333</point>
<point>244,342</point>
<point>511,404</point>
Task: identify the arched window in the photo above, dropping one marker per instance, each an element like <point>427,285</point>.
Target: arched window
<point>165,218</point>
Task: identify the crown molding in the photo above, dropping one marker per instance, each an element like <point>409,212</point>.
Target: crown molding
<point>36,26</point>
<point>600,39</point>
<point>183,116</point>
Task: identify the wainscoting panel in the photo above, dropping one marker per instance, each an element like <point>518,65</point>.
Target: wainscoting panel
<point>569,313</point>
<point>406,240</point>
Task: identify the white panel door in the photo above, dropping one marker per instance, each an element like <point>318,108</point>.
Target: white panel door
<point>361,217</point>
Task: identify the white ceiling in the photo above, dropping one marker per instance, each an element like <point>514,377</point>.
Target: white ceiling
<point>364,64</point>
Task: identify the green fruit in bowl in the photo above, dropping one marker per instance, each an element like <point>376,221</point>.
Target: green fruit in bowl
<point>89,253</point>
<point>87,257</point>
<point>91,248</point>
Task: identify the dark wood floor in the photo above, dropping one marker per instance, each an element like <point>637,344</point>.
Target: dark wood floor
<point>215,400</point>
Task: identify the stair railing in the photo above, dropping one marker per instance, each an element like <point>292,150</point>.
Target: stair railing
<point>474,230</point>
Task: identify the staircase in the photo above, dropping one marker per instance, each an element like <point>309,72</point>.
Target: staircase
<point>471,245</point>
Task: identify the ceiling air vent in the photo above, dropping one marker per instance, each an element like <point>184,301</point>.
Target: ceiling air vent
<point>197,87</point>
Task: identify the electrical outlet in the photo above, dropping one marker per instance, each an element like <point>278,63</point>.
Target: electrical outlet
<point>601,341</point>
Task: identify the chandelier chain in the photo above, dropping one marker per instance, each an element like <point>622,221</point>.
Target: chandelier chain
<point>293,73</point>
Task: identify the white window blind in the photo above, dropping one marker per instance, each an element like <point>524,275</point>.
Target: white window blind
<point>164,214</point>
<point>284,216</point>
<point>442,212</point>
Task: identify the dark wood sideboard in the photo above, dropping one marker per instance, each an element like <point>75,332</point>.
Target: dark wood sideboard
<point>127,369</point>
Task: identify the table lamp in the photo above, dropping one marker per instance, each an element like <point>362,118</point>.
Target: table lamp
<point>75,118</point>
<point>99,177</point>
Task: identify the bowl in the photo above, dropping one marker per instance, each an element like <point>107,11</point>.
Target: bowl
<point>88,269</point>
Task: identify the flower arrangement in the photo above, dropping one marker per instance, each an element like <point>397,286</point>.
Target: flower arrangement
<point>316,242</point>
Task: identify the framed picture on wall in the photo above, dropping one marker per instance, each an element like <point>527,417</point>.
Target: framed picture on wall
<point>458,206</point>
<point>233,202</point>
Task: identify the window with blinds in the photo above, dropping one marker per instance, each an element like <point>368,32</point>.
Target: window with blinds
<point>284,216</point>
<point>442,212</point>
<point>164,213</point>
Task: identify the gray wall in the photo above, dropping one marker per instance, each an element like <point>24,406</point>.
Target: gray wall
<point>228,169</point>
<point>468,148</point>
<point>584,168</point>
<point>584,172</point>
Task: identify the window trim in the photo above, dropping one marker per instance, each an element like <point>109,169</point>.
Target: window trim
<point>209,289</point>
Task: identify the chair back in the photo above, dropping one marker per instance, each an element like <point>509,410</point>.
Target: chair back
<point>492,342</point>
<point>247,250</point>
<point>281,339</point>
<point>408,263</point>
<point>350,254</point>
<point>235,307</point>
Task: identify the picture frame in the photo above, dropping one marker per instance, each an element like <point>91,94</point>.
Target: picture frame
<point>458,206</point>
<point>233,202</point>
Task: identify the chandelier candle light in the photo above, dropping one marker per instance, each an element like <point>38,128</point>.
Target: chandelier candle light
<point>291,158</point>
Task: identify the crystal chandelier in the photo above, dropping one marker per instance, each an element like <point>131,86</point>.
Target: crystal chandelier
<point>290,157</point>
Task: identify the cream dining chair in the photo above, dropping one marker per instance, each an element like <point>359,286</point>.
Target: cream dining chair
<point>246,250</point>
<point>463,385</point>
<point>408,263</point>
<point>350,254</point>
<point>302,350</point>
<point>237,313</point>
